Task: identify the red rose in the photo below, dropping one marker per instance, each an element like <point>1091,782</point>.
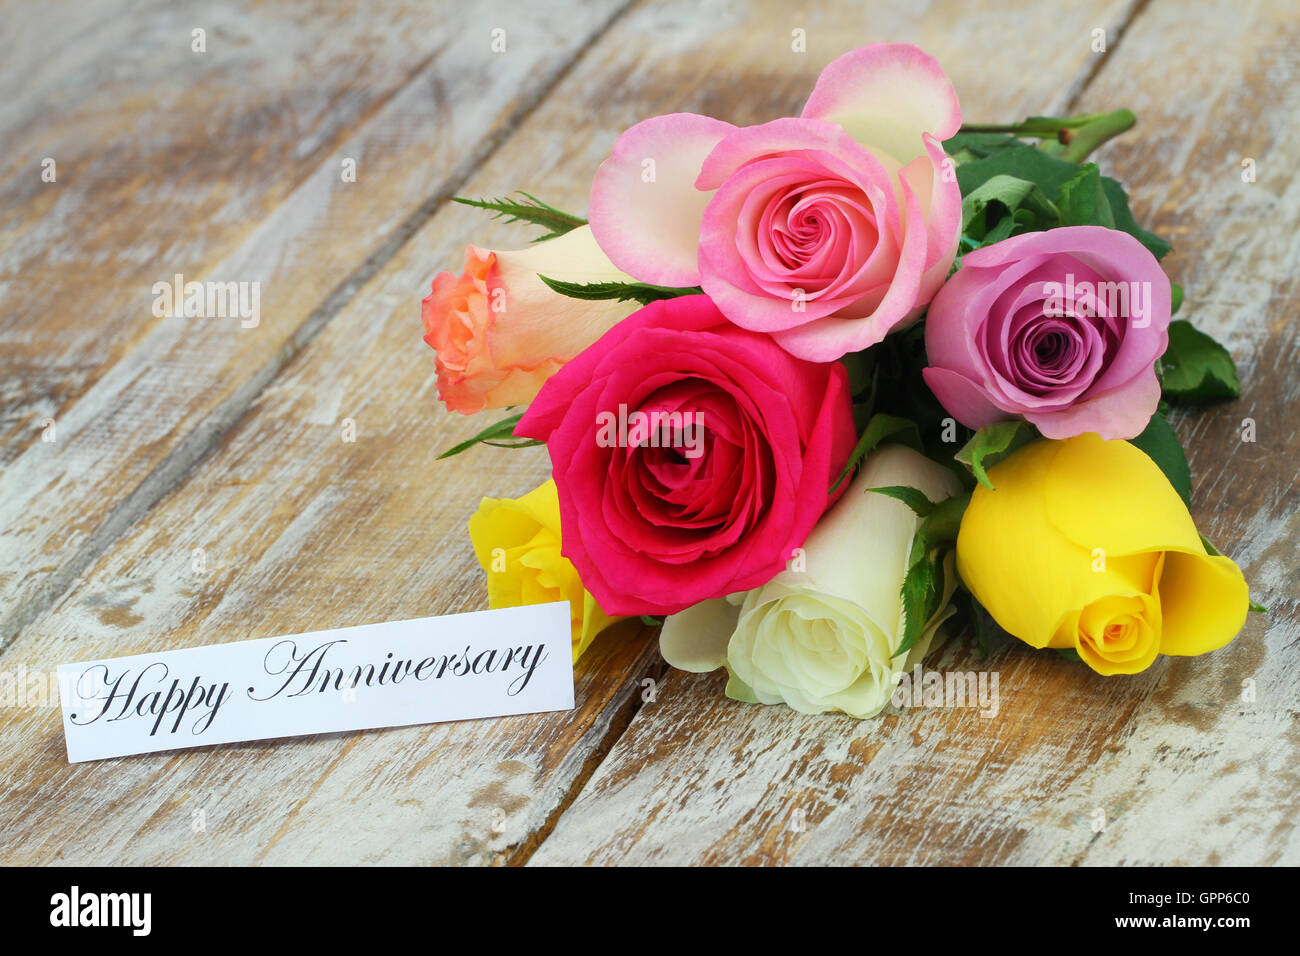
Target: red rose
<point>691,456</point>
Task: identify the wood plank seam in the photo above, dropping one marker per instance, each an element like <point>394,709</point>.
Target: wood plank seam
<point>1114,36</point>
<point>622,713</point>
<point>171,472</point>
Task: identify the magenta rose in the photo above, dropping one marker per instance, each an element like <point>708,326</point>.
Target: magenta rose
<point>1062,328</point>
<point>691,456</point>
<point>828,230</point>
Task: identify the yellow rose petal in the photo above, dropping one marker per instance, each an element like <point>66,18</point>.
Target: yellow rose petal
<point>1111,495</point>
<point>517,542</point>
<point>1020,566</point>
<point>1205,600</point>
<point>1120,635</point>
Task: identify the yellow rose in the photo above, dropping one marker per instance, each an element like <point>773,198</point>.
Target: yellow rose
<point>1086,545</point>
<point>517,541</point>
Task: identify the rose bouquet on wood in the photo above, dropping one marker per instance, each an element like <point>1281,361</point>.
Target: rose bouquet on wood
<point>813,388</point>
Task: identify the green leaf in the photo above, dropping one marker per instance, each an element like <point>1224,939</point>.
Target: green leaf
<point>1162,446</point>
<point>529,209</point>
<point>494,435</point>
<point>940,527</point>
<point>1069,653</point>
<point>879,429</point>
<point>1024,162</point>
<point>1255,608</point>
<point>922,588</point>
<point>991,444</point>
<point>1083,201</point>
<point>1001,231</point>
<point>1124,220</point>
<point>967,146</point>
<point>986,209</point>
<point>1052,175</point>
<point>1175,298</point>
<point>619,291</point>
<point>918,586</point>
<point>1195,368</point>
<point>650,621</point>
<point>914,498</point>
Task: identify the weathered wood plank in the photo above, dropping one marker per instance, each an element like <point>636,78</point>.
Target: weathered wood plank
<point>1184,770</point>
<point>301,529</point>
<point>229,165</point>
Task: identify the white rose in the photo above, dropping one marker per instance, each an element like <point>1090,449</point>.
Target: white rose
<point>824,638</point>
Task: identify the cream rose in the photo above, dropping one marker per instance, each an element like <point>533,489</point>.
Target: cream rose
<point>823,634</point>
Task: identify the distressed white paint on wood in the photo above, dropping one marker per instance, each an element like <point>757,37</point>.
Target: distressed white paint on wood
<point>302,530</point>
<point>236,175</point>
<point>1183,769</point>
<point>299,525</point>
<point>1206,777</point>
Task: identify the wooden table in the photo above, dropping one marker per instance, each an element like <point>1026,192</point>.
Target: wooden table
<point>169,482</point>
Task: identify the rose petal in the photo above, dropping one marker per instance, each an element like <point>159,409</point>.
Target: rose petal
<point>964,400</point>
<point>886,95</point>
<point>696,639</point>
<point>650,229</point>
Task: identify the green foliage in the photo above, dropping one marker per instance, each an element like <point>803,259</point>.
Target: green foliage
<point>1083,200</point>
<point>1014,189</point>
<point>619,291</point>
<point>976,615</point>
<point>1124,220</point>
<point>914,498</point>
<point>529,209</point>
<point>499,434</point>
<point>991,444</point>
<point>923,584</point>
<point>879,429</point>
<point>1195,368</point>
<point>887,379</point>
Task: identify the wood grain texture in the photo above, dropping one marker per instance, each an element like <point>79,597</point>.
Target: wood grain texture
<point>1184,769</point>
<point>221,166</point>
<point>302,530</point>
<point>300,527</point>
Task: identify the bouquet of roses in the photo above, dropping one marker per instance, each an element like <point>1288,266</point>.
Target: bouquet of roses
<point>813,387</point>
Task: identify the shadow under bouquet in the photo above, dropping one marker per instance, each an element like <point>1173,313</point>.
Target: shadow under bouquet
<point>819,391</point>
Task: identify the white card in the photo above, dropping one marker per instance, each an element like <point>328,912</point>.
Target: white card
<point>483,664</point>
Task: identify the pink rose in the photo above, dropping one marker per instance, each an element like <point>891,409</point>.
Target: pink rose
<point>1062,328</point>
<point>500,331</point>
<point>827,231</point>
<point>691,456</point>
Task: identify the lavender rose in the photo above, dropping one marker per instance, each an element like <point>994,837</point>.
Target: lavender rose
<point>1062,328</point>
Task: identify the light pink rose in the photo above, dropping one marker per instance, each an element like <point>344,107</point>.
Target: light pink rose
<point>1062,328</point>
<point>827,231</point>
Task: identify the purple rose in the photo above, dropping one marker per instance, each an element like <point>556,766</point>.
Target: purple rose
<point>1062,328</point>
